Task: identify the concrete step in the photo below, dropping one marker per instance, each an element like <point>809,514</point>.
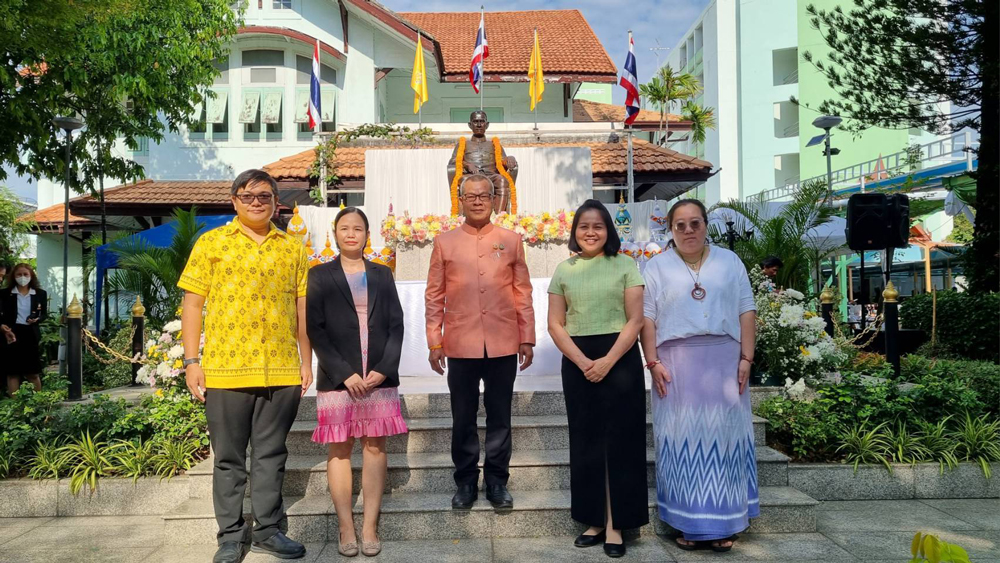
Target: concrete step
<point>525,403</point>
<point>431,472</point>
<point>546,432</point>
<point>429,516</point>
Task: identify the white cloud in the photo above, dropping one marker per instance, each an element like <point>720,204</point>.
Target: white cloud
<point>649,20</point>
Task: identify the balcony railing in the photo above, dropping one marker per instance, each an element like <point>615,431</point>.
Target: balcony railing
<point>948,150</point>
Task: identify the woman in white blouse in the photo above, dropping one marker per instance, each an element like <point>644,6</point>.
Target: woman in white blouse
<point>698,340</point>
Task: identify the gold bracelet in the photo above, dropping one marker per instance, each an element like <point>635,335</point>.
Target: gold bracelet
<point>436,347</point>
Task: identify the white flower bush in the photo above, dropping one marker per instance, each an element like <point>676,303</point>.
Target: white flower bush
<point>792,345</point>
<point>164,356</point>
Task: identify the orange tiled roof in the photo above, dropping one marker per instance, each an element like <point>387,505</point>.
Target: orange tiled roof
<point>52,217</point>
<point>607,159</point>
<point>587,111</point>
<point>569,45</point>
<point>165,192</point>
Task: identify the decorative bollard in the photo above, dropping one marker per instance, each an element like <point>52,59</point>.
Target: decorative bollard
<point>74,348</point>
<point>138,332</point>
<point>889,300</point>
<point>826,298</point>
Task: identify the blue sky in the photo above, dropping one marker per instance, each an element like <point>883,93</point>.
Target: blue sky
<point>649,20</point>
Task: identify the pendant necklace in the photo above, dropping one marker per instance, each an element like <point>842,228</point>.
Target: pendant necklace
<point>698,293</point>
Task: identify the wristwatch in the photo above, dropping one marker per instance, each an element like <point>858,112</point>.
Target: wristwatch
<point>189,361</point>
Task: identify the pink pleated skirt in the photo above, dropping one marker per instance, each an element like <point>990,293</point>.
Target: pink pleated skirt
<point>341,417</point>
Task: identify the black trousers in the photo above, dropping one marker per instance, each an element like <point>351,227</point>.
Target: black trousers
<point>498,376</point>
<point>261,418</point>
<point>607,437</point>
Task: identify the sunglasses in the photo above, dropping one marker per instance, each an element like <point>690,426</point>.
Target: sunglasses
<point>247,199</point>
<point>682,227</point>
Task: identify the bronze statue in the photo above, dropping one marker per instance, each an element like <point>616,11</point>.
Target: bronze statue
<point>480,156</point>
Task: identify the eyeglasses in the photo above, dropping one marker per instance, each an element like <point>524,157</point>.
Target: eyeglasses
<point>471,198</point>
<point>247,199</point>
<point>682,227</point>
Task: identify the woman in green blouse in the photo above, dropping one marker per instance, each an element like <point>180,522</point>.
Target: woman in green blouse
<point>595,314</point>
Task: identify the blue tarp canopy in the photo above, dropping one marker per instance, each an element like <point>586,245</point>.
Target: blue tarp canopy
<point>160,237</point>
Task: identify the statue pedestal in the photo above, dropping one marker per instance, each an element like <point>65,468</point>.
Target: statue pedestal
<point>414,260</point>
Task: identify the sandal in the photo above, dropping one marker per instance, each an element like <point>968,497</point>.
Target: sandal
<point>692,546</point>
<point>719,548</point>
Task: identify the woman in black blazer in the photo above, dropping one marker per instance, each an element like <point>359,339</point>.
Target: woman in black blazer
<point>24,305</point>
<point>355,326</point>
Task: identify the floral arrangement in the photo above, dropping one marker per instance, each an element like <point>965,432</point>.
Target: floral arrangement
<point>540,228</point>
<point>791,341</point>
<point>164,358</point>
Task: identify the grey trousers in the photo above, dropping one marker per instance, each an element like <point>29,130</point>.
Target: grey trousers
<point>261,418</point>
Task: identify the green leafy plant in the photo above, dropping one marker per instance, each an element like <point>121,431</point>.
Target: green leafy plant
<point>978,439</point>
<point>967,323</point>
<point>133,459</point>
<point>938,441</point>
<point>7,459</point>
<point>931,549</point>
<point>49,462</point>
<point>862,444</point>
<point>118,372</point>
<point>89,459</point>
<point>803,430</point>
<point>904,446</point>
<point>173,457</point>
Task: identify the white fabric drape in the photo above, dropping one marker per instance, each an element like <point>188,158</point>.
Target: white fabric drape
<point>319,222</point>
<point>416,181</point>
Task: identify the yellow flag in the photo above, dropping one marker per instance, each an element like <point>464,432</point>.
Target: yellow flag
<point>535,77</point>
<point>419,79</point>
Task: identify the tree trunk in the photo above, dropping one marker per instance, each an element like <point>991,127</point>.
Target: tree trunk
<point>984,256</point>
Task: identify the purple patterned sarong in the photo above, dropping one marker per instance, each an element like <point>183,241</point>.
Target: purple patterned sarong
<point>706,467</point>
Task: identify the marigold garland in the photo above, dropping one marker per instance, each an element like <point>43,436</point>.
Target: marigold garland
<point>459,172</point>
<point>503,172</point>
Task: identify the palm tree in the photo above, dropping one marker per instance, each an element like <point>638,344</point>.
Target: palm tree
<point>702,119</point>
<point>779,232</point>
<point>152,272</point>
<point>666,88</point>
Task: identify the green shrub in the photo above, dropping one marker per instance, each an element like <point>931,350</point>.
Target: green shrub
<point>978,439</point>
<point>967,323</point>
<point>133,459</point>
<point>174,456</point>
<point>862,443</point>
<point>939,442</point>
<point>26,419</point>
<point>803,430</point>
<point>88,459</point>
<point>954,382</point>
<point>117,373</point>
<point>176,415</point>
<point>49,461</point>
<point>905,446</point>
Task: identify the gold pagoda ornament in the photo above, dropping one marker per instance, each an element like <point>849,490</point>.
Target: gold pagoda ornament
<point>328,253</point>
<point>313,257</point>
<point>297,226</point>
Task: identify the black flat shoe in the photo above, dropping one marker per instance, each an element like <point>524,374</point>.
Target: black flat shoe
<point>230,552</point>
<point>614,549</point>
<point>583,540</point>
<point>465,497</point>
<point>499,497</point>
<point>279,546</point>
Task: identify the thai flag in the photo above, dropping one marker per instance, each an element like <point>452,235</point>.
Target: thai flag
<point>314,93</point>
<point>479,55</point>
<point>630,83</point>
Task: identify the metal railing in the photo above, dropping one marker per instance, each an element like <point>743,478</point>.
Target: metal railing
<point>947,150</point>
<point>791,77</point>
<point>790,131</point>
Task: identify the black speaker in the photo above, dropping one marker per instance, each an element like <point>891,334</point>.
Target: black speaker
<point>899,220</point>
<point>867,222</point>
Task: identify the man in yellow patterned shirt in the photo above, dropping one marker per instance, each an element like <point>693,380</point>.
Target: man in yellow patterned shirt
<point>250,279</point>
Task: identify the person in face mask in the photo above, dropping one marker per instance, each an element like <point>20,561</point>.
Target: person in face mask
<point>25,304</point>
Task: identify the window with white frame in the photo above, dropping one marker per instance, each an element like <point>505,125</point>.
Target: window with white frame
<point>262,93</point>
<point>282,4</point>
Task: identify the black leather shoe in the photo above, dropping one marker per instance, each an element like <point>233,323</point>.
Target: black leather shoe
<point>499,497</point>
<point>230,552</point>
<point>614,549</point>
<point>279,546</point>
<point>584,540</point>
<point>465,497</point>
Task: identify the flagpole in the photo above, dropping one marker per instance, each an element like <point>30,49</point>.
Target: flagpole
<point>631,178</point>
<point>482,61</point>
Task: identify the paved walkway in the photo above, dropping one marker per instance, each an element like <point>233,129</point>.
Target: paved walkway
<point>848,531</point>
